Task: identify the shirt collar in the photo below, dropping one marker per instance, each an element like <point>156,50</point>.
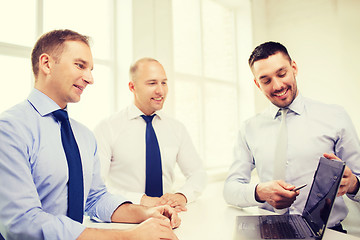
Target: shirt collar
<point>297,107</point>
<point>134,112</point>
<point>42,103</point>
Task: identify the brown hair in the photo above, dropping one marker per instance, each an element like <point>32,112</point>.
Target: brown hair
<point>266,50</point>
<point>52,43</point>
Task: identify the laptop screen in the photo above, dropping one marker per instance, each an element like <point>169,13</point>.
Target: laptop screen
<point>323,193</point>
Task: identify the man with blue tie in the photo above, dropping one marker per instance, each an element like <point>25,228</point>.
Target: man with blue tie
<point>49,167</point>
<point>285,142</point>
<point>140,146</point>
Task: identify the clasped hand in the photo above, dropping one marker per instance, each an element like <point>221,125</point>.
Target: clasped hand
<point>175,200</point>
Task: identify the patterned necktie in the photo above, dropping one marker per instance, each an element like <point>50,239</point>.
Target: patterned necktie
<point>281,149</point>
<point>75,184</point>
<point>154,184</point>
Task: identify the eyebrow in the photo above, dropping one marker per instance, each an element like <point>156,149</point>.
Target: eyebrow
<point>152,80</point>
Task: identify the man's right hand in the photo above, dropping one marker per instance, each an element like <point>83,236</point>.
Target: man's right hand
<point>277,193</point>
<point>153,228</point>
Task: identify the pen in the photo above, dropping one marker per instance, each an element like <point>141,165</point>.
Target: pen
<point>299,187</point>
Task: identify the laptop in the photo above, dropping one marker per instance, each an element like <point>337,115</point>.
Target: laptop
<point>312,223</point>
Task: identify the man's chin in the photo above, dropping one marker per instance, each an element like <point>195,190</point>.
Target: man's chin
<point>157,107</point>
<point>75,99</point>
<point>281,104</point>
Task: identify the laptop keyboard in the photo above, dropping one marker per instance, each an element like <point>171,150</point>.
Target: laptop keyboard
<point>282,227</point>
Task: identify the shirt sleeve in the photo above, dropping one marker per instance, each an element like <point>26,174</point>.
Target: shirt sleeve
<point>347,147</point>
<point>238,190</point>
<point>21,213</point>
<point>192,167</point>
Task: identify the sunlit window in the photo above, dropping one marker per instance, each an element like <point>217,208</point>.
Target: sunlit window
<point>205,77</point>
<point>204,82</point>
<point>15,80</point>
<point>18,21</point>
<point>88,17</point>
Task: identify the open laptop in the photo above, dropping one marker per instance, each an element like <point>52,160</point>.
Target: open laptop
<point>312,223</point>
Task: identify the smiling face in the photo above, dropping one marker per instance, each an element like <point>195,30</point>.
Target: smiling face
<point>66,76</point>
<point>275,76</point>
<point>149,85</point>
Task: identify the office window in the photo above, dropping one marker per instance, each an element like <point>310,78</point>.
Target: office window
<point>206,94</point>
<point>219,41</point>
<point>90,17</point>
<point>32,19</point>
<point>187,37</point>
<point>18,20</point>
<point>15,79</point>
<point>93,18</point>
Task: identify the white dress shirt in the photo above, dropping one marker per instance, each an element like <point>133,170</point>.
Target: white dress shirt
<point>121,143</point>
<point>314,128</point>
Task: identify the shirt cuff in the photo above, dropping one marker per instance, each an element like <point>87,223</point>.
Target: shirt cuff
<point>250,194</point>
<point>355,197</point>
<point>106,207</point>
<point>189,195</point>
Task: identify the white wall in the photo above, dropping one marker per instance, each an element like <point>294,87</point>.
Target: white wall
<point>323,37</point>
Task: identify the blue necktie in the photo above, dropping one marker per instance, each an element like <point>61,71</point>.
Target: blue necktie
<point>75,184</point>
<point>154,184</point>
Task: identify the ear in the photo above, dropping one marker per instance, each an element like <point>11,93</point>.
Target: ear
<point>294,67</point>
<point>131,86</point>
<point>44,63</point>
<point>257,83</point>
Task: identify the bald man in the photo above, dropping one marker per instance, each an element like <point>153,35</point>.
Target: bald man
<point>122,145</point>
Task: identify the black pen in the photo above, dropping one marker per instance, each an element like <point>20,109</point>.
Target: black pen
<point>299,187</point>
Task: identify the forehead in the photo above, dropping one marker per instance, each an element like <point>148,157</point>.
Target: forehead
<point>150,70</point>
<point>270,65</point>
<point>78,50</point>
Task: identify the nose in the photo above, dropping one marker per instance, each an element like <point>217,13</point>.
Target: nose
<point>278,84</point>
<point>87,77</point>
<point>159,89</point>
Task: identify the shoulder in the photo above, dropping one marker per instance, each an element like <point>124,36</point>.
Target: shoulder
<point>20,124</point>
<point>257,120</point>
<point>171,127</point>
<point>321,105</point>
<point>320,109</point>
<point>172,123</point>
<point>20,115</point>
<point>112,122</point>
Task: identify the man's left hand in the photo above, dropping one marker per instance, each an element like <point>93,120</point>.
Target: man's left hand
<point>174,200</point>
<point>349,182</point>
<point>164,212</point>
